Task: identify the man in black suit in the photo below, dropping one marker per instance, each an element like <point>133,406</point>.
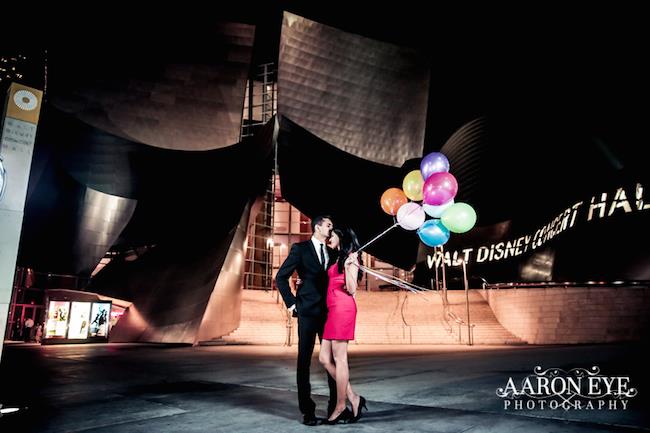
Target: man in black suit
<point>311,259</point>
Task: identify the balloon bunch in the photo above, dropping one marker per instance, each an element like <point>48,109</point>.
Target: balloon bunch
<point>436,188</point>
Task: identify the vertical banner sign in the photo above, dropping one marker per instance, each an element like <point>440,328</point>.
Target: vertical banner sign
<point>19,122</point>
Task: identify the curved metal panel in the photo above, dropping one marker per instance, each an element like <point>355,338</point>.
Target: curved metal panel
<point>179,291</point>
<point>100,220</point>
<point>93,157</point>
<point>69,227</point>
<point>164,102</point>
<point>223,312</point>
<point>365,97</point>
<point>190,279</point>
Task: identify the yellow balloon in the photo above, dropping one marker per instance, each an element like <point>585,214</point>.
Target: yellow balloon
<point>412,185</point>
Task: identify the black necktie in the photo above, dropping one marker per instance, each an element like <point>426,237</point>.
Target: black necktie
<point>322,256</point>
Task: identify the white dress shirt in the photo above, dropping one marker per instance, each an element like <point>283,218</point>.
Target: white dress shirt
<point>317,245</point>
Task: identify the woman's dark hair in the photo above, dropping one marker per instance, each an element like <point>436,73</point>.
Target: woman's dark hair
<point>339,233</point>
<point>348,244</point>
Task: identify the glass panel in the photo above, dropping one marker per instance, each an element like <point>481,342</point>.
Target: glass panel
<point>57,319</point>
<point>20,296</point>
<point>100,317</point>
<point>305,224</point>
<point>17,325</point>
<point>18,312</point>
<point>280,249</point>
<point>282,206</point>
<point>32,296</point>
<point>281,221</point>
<point>282,218</point>
<point>295,225</point>
<point>79,318</point>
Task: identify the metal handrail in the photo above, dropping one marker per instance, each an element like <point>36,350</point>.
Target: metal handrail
<point>460,322</point>
<point>448,314</point>
<point>532,284</point>
<point>619,283</point>
<point>405,323</point>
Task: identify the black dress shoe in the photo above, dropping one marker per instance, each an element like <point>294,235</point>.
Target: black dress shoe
<point>344,417</point>
<point>362,405</point>
<point>310,420</point>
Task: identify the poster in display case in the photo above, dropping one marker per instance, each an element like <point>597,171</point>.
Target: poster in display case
<point>100,319</point>
<point>57,319</point>
<point>79,321</point>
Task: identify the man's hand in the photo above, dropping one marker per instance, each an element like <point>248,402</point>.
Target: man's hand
<point>293,311</point>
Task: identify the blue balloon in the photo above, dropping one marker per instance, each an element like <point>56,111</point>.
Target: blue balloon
<point>435,162</point>
<point>437,211</point>
<point>433,233</point>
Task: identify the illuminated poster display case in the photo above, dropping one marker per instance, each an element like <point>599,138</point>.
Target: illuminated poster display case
<point>70,321</point>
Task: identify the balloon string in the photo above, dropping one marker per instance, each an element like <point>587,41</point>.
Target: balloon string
<point>395,281</point>
<point>378,236</point>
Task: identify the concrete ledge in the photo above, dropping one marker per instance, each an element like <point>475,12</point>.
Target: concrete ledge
<point>572,315</point>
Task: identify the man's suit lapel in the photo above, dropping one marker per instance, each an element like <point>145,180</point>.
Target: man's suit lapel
<point>314,254</point>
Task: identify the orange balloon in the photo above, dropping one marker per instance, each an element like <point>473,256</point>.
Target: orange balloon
<point>392,199</point>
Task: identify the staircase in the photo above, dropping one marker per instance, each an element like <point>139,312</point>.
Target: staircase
<point>487,328</point>
<point>398,317</point>
<point>263,320</point>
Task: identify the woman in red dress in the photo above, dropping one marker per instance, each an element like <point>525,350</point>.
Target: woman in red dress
<point>344,276</point>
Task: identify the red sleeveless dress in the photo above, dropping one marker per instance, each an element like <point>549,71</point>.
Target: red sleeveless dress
<point>341,308</point>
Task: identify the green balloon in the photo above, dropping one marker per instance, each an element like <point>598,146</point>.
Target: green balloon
<point>459,218</point>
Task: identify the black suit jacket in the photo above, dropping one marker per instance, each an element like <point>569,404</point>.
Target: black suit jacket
<point>311,294</point>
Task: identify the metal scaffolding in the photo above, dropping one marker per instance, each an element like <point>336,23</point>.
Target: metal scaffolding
<point>260,102</point>
<point>260,105</point>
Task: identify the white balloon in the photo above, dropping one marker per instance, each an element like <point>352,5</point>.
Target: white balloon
<point>410,216</point>
<point>437,211</point>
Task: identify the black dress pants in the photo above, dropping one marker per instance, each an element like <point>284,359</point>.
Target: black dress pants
<point>308,328</point>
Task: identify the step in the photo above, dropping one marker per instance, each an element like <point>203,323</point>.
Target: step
<point>379,319</point>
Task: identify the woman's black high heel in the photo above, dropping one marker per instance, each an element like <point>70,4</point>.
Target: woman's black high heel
<point>362,405</point>
<point>344,417</point>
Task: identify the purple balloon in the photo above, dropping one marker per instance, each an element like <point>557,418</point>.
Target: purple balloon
<point>439,188</point>
<point>435,162</point>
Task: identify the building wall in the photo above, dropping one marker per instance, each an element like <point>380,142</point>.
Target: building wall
<point>223,312</point>
<point>366,97</point>
<point>572,315</point>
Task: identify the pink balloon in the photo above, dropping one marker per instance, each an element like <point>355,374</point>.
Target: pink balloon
<point>439,188</point>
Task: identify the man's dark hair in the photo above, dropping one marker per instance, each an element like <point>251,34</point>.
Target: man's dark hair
<point>317,220</point>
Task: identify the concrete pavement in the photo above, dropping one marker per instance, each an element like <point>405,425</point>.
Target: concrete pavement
<point>159,388</point>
